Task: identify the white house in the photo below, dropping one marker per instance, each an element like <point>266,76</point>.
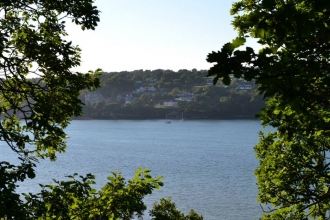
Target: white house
<point>139,90</point>
<point>145,89</point>
<point>170,104</point>
<point>243,87</point>
<point>185,96</point>
<point>151,89</point>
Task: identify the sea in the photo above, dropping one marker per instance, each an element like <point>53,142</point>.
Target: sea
<point>207,165</point>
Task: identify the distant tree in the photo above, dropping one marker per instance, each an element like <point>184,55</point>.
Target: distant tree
<point>167,210</point>
<point>120,82</point>
<point>199,90</point>
<point>292,71</point>
<point>175,91</point>
<point>114,93</point>
<point>157,73</point>
<point>190,79</point>
<point>137,74</point>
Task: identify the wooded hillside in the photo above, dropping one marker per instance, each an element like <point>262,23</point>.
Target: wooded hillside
<point>145,94</point>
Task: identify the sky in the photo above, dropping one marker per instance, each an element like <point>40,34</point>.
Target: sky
<point>154,34</point>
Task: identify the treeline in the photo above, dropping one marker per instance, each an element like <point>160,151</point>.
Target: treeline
<point>145,94</point>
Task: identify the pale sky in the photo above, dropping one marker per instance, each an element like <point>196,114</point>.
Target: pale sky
<point>154,34</point>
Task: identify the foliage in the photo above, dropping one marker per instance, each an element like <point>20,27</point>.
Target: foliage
<point>167,210</point>
<point>76,199</point>
<point>209,101</point>
<point>10,201</point>
<point>34,113</point>
<point>32,43</point>
<point>292,71</point>
<point>126,82</point>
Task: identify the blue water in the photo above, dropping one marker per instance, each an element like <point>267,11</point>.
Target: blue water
<point>207,165</point>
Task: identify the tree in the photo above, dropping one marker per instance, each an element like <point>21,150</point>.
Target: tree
<point>167,210</point>
<point>292,71</point>
<point>32,44</point>
<point>175,91</point>
<point>76,199</point>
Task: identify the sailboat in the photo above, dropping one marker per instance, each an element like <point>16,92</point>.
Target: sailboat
<point>167,121</point>
<point>182,119</point>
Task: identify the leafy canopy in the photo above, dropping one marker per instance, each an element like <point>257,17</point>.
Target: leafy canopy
<point>292,71</point>
<point>32,44</point>
<point>76,199</point>
<point>34,112</point>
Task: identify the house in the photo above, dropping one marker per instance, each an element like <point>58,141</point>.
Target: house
<point>170,104</point>
<point>139,90</point>
<point>243,87</point>
<point>185,96</point>
<point>209,81</point>
<point>128,99</point>
<point>145,89</point>
<point>151,89</point>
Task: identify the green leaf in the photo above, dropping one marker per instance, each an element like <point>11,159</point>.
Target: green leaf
<point>239,41</point>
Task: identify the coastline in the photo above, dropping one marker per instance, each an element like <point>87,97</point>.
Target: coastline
<point>188,117</point>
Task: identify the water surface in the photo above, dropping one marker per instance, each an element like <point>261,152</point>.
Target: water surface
<point>207,165</point>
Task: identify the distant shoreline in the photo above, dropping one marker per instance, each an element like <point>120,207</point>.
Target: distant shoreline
<point>159,118</point>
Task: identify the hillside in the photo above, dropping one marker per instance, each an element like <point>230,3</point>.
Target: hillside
<point>145,94</point>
